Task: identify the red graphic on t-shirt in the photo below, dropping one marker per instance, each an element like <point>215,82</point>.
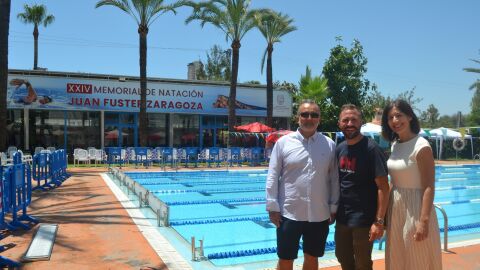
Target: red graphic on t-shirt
<point>348,164</point>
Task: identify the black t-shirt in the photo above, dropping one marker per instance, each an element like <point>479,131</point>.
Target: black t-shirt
<point>358,166</point>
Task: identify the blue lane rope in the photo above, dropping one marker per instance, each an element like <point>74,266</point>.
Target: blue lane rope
<point>256,199</point>
<point>200,182</point>
<point>457,188</point>
<point>329,246</point>
<point>459,202</point>
<point>462,227</point>
<point>169,191</point>
<point>217,220</point>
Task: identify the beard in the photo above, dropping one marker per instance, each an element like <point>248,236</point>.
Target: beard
<point>351,134</point>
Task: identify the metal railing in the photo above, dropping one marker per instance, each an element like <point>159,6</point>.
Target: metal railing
<point>145,197</point>
<point>445,226</point>
<point>445,230</point>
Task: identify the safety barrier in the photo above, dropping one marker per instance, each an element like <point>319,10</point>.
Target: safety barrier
<point>18,176</point>
<point>41,171</point>
<point>49,170</point>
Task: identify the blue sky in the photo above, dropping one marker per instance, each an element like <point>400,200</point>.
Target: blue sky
<point>423,44</point>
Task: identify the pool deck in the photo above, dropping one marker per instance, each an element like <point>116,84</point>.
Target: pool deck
<point>96,232</point>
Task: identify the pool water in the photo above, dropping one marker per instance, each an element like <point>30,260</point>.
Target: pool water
<point>226,209</point>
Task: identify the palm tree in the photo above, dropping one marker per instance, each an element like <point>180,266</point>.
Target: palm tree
<point>36,14</point>
<point>4,28</point>
<point>273,26</point>
<point>474,117</point>
<point>235,19</point>
<point>313,88</point>
<point>144,12</point>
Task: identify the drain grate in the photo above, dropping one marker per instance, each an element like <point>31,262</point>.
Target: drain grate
<point>42,244</point>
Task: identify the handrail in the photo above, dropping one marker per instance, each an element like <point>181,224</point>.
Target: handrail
<point>445,226</point>
<point>445,230</point>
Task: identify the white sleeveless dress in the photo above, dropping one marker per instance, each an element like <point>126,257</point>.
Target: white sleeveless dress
<point>402,252</point>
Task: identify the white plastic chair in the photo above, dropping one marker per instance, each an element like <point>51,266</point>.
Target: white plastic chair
<point>4,160</point>
<point>76,155</point>
<point>26,158</point>
<point>51,149</point>
<point>91,153</point>
<point>98,156</point>
<point>11,150</point>
<point>38,150</point>
<point>82,156</point>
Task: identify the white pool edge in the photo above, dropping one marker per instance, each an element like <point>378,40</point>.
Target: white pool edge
<point>169,255</point>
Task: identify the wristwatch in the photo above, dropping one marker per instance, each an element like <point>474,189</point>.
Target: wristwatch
<point>380,221</point>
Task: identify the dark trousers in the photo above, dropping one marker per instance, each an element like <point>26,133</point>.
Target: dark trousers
<point>352,248</point>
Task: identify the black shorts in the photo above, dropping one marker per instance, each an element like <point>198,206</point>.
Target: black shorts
<point>314,235</point>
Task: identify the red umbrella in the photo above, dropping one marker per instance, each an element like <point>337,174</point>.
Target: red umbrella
<point>255,127</point>
<point>274,136</point>
<point>113,134</point>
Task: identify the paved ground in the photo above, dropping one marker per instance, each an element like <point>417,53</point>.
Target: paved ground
<point>95,232</point>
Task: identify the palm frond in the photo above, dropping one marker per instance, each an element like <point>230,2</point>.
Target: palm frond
<point>123,5</point>
<point>475,85</point>
<point>474,70</point>
<point>48,20</point>
<point>476,61</point>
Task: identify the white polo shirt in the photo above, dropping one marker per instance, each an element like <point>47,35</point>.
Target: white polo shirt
<point>302,182</point>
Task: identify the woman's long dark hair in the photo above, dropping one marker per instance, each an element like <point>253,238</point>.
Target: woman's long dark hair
<point>405,108</point>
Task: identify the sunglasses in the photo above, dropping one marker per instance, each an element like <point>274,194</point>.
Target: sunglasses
<point>311,114</point>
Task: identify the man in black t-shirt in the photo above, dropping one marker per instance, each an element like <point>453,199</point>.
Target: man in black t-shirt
<point>364,193</point>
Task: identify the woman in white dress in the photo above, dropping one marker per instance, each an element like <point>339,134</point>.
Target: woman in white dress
<point>413,237</point>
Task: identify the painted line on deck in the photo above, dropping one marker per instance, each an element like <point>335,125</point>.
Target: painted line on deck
<point>169,255</point>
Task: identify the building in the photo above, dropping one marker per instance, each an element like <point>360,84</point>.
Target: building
<point>193,68</point>
<point>70,110</point>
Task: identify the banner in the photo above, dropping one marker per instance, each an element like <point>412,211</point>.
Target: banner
<point>67,93</point>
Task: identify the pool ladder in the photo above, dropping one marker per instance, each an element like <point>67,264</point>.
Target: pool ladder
<point>197,252</point>
<point>445,230</point>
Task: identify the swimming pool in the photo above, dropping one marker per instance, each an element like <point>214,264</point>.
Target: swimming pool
<point>227,209</point>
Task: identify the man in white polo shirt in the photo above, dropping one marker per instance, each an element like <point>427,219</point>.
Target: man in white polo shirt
<point>302,189</point>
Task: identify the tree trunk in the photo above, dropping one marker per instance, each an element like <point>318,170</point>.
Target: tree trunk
<point>4,26</point>
<point>232,118</point>
<point>269,86</point>
<point>143,31</point>
<point>35,47</point>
